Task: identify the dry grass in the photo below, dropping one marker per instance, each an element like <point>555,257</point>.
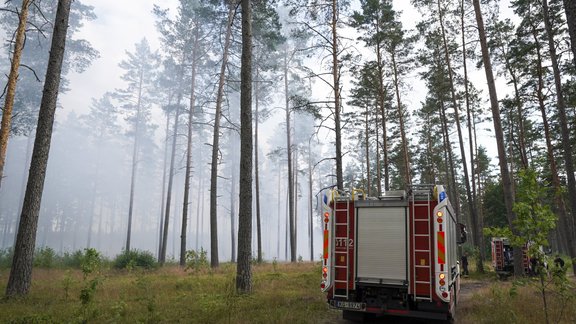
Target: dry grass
<point>498,302</point>
<point>283,293</point>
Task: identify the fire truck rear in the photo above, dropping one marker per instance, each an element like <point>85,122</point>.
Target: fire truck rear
<point>392,255</point>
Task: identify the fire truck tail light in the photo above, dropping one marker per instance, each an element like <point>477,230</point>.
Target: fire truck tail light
<point>323,285</point>
<point>445,294</point>
<point>326,214</point>
<point>440,213</point>
<point>442,282</point>
<point>442,276</point>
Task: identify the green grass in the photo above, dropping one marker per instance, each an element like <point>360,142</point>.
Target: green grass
<point>288,294</point>
<point>282,293</point>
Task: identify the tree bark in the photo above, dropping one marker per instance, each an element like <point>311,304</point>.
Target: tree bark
<point>134,160</point>
<point>477,232</point>
<point>310,212</point>
<point>21,270</point>
<point>256,167</point>
<point>171,170</point>
<point>570,10</point>
<point>214,262</point>
<point>11,86</point>
<point>405,152</point>
<point>290,163</point>
<point>188,172</point>
<point>244,269</point>
<point>503,161</point>
<point>337,99</point>
<point>163,199</point>
<point>566,141</point>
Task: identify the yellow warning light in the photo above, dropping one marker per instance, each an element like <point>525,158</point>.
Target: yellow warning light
<point>326,214</point>
<point>439,213</point>
<point>324,269</point>
<point>442,276</point>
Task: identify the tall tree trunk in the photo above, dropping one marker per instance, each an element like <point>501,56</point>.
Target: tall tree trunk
<point>233,180</point>
<point>163,199</point>
<point>29,143</point>
<point>134,159</point>
<point>405,151</point>
<point>477,231</point>
<point>378,162</point>
<point>244,270</point>
<point>451,169</point>
<point>214,262</point>
<point>11,86</point>
<point>382,106</point>
<point>200,202</point>
<point>188,172</point>
<point>279,200</point>
<point>503,161</point>
<point>256,166</point>
<point>310,212</point>
<point>367,152</point>
<point>566,143</point>
<point>337,99</point>
<point>469,120</point>
<point>171,171</point>
<point>570,10</point>
<point>21,270</point>
<point>289,154</point>
<point>295,221</point>
<point>94,191</point>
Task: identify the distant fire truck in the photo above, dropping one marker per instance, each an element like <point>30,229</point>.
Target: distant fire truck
<point>392,255</point>
<point>503,257</point>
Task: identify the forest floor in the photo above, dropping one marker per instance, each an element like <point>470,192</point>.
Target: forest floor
<point>283,293</point>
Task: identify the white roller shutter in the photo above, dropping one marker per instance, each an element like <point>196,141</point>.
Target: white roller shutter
<point>381,245</point>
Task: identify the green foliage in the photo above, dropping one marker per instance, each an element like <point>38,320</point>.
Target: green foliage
<point>87,293</point>
<point>67,282</point>
<point>45,258</point>
<point>90,262</point>
<point>135,259</point>
<point>147,300</point>
<point>494,206</point>
<point>196,260</point>
<point>72,260</point>
<point>534,222</point>
<point>6,256</point>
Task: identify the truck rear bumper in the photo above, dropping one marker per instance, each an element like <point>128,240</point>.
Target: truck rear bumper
<point>422,310</point>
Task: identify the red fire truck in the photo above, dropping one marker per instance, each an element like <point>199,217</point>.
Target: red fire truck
<point>392,255</point>
<point>503,257</point>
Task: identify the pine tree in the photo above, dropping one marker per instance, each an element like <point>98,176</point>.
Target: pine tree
<point>135,100</point>
<point>21,270</point>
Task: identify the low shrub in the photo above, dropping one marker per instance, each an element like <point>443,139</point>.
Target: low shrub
<point>6,258</point>
<point>72,260</point>
<point>135,259</point>
<point>196,260</point>
<point>45,257</point>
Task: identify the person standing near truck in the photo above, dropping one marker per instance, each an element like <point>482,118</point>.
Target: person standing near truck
<point>464,260</point>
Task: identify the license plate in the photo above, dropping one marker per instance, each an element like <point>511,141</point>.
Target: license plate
<point>348,305</point>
